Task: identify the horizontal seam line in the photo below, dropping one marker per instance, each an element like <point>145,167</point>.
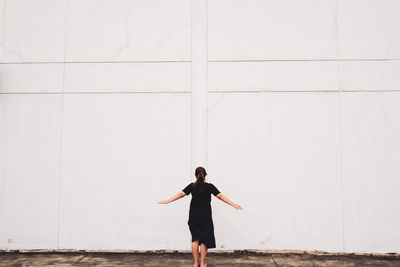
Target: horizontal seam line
<point>302,91</point>
<point>333,60</point>
<point>91,62</point>
<point>212,92</point>
<point>140,92</point>
<point>209,61</point>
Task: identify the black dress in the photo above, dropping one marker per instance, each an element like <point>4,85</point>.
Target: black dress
<point>200,215</point>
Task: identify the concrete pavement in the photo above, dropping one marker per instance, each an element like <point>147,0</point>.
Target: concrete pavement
<point>185,259</point>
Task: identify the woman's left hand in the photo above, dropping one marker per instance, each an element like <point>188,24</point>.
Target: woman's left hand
<point>162,202</point>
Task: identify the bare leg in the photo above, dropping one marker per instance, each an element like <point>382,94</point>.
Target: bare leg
<point>195,252</point>
<point>203,250</point>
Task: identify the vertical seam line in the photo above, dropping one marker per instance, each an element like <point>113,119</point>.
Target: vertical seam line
<point>340,123</point>
<point>61,129</point>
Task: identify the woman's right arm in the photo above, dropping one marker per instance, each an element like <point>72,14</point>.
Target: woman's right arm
<point>223,198</point>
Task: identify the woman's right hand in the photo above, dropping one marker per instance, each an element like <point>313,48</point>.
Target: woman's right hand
<point>236,206</point>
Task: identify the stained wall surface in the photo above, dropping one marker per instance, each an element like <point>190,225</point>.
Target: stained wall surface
<point>106,108</point>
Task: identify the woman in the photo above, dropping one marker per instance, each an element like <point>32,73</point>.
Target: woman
<point>200,216</point>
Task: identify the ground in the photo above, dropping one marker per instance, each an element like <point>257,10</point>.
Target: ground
<point>242,259</point>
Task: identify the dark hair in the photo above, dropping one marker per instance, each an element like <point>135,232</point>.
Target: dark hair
<point>200,174</point>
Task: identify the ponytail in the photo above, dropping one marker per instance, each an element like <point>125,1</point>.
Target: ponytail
<point>200,174</point>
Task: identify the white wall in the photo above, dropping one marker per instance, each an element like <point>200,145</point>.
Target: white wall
<point>106,107</point>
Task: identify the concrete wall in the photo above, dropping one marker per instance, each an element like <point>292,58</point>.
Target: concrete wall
<point>106,107</point>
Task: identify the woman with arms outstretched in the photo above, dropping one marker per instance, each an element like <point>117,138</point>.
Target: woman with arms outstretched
<point>200,215</point>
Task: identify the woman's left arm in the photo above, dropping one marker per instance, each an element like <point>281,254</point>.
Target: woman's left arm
<point>177,196</point>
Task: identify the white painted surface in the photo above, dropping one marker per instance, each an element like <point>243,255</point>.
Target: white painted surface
<point>29,167</point>
<point>32,31</point>
<point>369,75</point>
<point>271,29</point>
<point>31,78</point>
<point>107,107</point>
<point>119,30</point>
<point>273,76</point>
<point>371,167</point>
<point>278,155</point>
<point>127,77</point>
<point>369,29</point>
<point>121,154</point>
<point>199,96</point>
